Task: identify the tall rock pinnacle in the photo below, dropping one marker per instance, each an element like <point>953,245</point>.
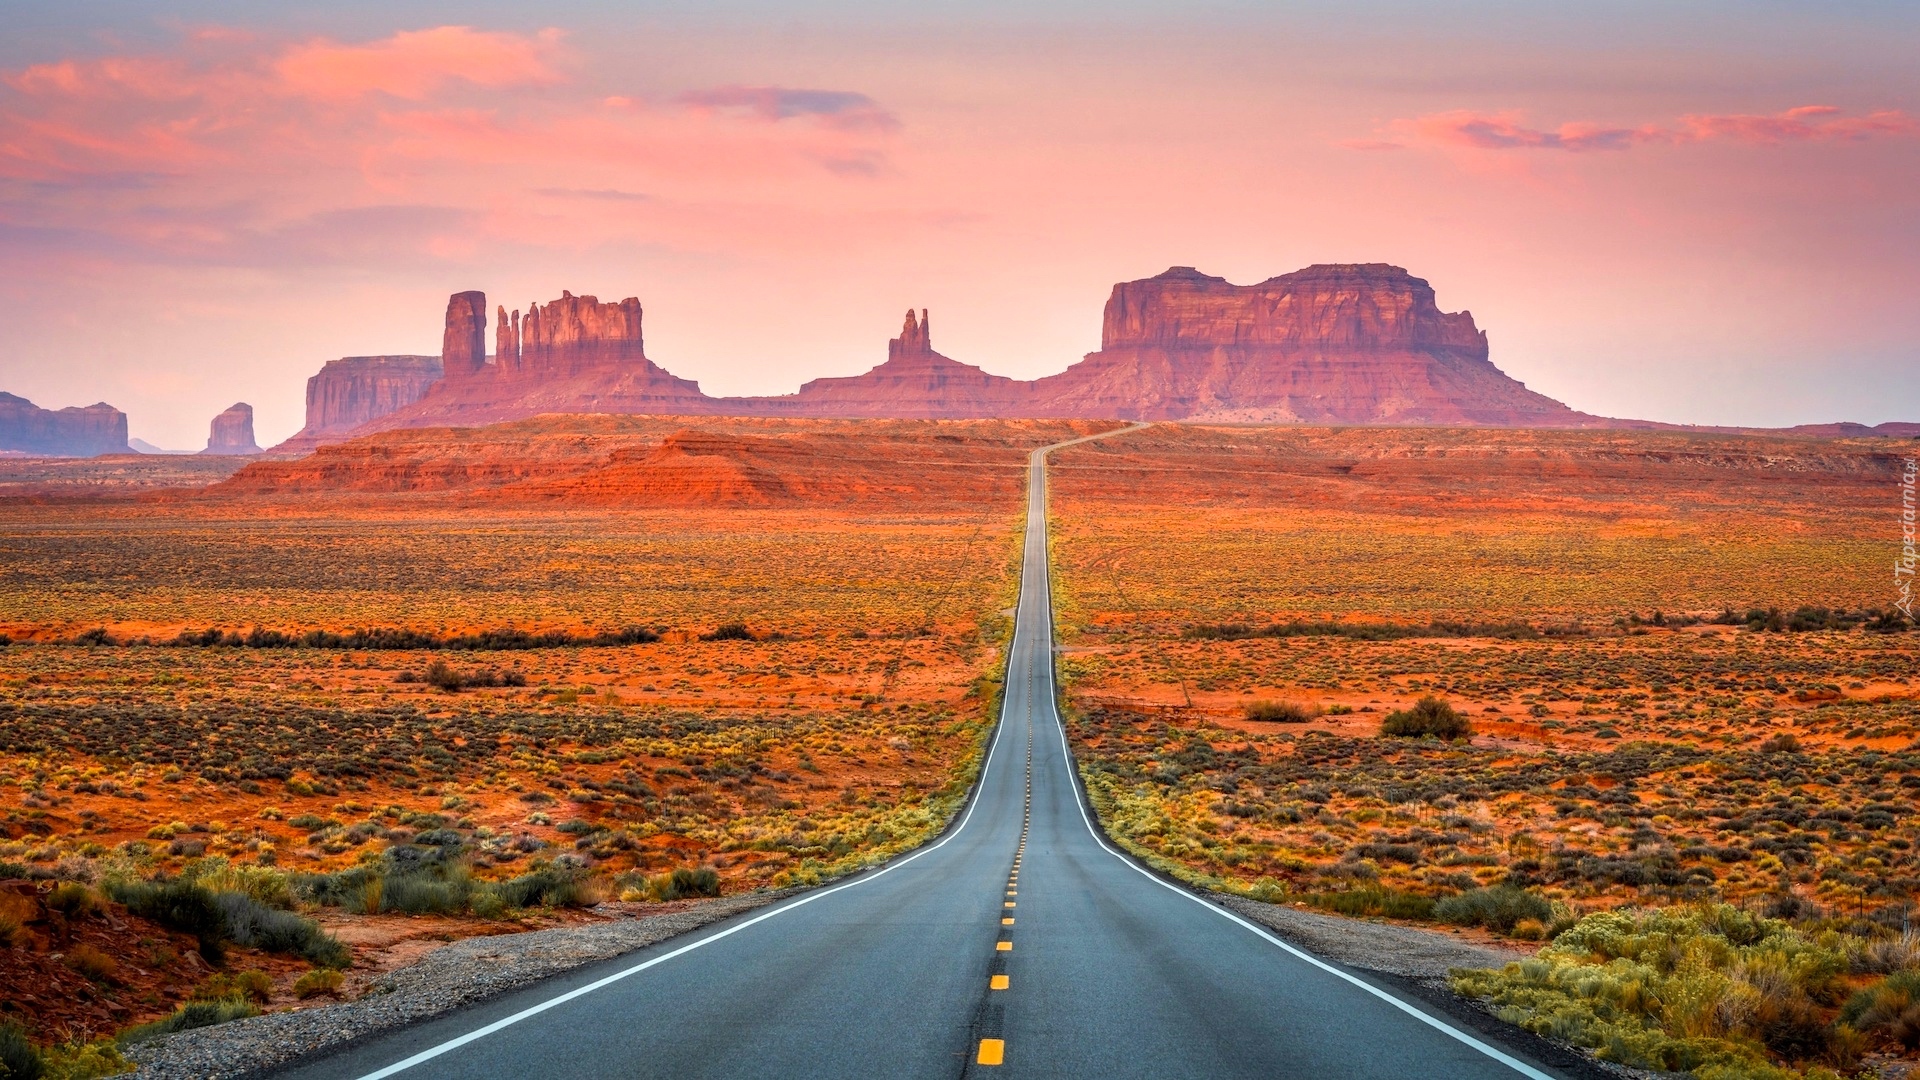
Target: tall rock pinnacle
<point>463,349</point>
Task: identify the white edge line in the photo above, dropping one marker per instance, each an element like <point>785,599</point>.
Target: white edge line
<point>1073,780</point>
<point>455,1043</point>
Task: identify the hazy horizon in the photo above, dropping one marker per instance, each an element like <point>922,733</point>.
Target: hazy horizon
<point>1704,216</point>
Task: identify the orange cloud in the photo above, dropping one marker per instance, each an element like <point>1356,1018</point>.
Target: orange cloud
<point>1507,130</point>
<point>413,64</point>
<point>224,145</point>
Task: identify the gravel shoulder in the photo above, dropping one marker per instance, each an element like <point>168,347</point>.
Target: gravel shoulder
<point>448,978</point>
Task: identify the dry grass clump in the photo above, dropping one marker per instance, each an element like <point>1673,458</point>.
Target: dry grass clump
<point>1712,989</point>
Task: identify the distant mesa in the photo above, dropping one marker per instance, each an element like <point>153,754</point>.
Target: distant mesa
<point>142,446</point>
<point>232,432</point>
<point>25,428</point>
<point>1344,343</point>
<point>1339,343</point>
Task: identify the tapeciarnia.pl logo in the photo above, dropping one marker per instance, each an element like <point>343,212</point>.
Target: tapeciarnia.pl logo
<point>1904,565</point>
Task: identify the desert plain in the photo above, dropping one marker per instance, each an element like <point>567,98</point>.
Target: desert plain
<point>433,683</point>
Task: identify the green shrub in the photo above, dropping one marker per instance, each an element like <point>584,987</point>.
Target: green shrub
<point>1280,712</point>
<point>194,1014</point>
<point>72,899</point>
<point>1889,1008</point>
<point>1428,716</point>
<point>19,1058</point>
<point>1684,989</point>
<point>255,926</point>
<point>252,985</point>
<point>85,1061</point>
<point>180,905</point>
<point>1498,908</point>
<point>1375,901</point>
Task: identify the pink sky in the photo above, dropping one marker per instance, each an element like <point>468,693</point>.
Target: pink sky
<point>1711,221</point>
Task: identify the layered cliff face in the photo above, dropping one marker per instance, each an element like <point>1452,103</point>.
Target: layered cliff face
<point>232,432</point>
<point>914,383</point>
<point>1342,344</point>
<point>71,432</point>
<point>352,390</point>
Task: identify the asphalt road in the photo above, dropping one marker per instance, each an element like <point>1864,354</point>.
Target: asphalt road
<point>1017,945</point>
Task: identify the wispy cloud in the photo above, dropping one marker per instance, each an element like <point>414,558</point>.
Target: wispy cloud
<point>1508,130</point>
<point>414,64</point>
<point>835,108</point>
<point>228,143</point>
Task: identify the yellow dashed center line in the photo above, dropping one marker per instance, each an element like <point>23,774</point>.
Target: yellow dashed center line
<point>998,982</point>
<point>992,1051</point>
<point>1003,946</point>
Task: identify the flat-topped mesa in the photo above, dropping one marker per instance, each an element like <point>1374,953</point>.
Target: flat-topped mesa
<point>232,432</point>
<point>1346,305</point>
<point>70,432</point>
<point>1347,343</point>
<point>569,336</point>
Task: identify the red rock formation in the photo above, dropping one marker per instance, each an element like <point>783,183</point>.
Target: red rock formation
<point>26,428</point>
<point>574,355</point>
<point>914,383</point>
<point>1343,344</point>
<point>352,390</point>
<point>463,348</point>
<point>232,432</point>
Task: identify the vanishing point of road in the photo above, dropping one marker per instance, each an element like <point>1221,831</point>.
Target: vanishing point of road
<point>1018,944</point>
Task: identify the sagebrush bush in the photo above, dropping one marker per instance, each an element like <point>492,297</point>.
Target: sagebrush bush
<point>1500,908</point>
<point>252,985</point>
<point>1701,989</point>
<point>316,982</point>
<point>194,1014</point>
<point>1889,1008</point>
<point>1280,712</point>
<point>256,926</point>
<point>1428,716</point>
<point>179,905</point>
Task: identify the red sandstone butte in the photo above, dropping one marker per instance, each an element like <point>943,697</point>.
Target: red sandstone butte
<point>915,383</point>
<point>232,432</point>
<point>1354,343</point>
<point>71,432</point>
<point>573,355</point>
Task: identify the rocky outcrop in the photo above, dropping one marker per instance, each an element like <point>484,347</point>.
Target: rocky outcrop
<point>71,432</point>
<point>1360,343</point>
<point>573,355</point>
<point>463,347</point>
<point>353,390</point>
<point>232,432</point>
<point>914,383</point>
